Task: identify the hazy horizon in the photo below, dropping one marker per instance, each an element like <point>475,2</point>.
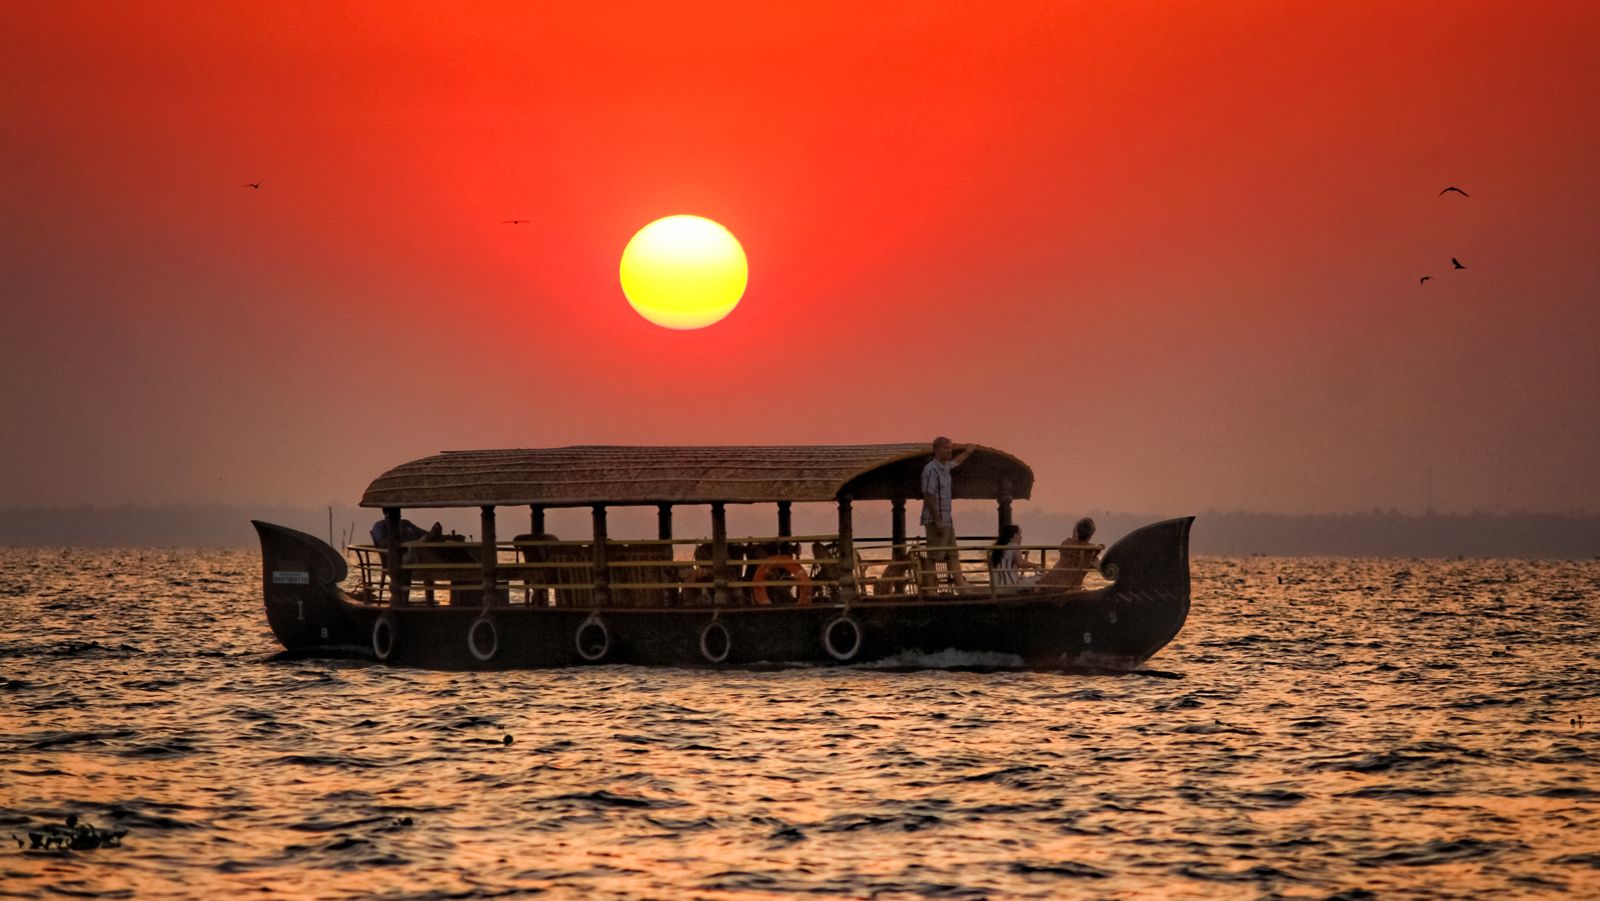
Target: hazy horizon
<point>1377,533</point>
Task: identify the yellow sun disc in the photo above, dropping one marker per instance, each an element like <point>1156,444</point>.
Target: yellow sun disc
<point>684,272</point>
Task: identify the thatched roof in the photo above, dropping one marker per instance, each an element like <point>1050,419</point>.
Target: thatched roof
<point>578,476</point>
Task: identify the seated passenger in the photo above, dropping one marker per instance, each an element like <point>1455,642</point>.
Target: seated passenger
<point>825,573</point>
<point>894,578</point>
<point>740,571</point>
<point>747,553</point>
<point>1008,561</point>
<point>539,597</point>
<point>1077,557</point>
<point>409,531</point>
<point>697,578</point>
<point>825,555</point>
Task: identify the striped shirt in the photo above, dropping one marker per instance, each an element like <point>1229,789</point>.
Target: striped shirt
<point>1008,570</point>
<point>936,483</point>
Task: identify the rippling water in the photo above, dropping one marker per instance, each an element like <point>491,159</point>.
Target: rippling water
<point>1408,728</point>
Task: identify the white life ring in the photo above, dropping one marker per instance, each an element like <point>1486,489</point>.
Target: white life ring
<point>592,652</point>
<point>383,636</point>
<point>829,644</point>
<point>706,639</point>
<point>472,639</point>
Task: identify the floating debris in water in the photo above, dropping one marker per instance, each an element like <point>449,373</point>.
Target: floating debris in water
<point>789,834</point>
<point>1156,673</point>
<point>72,836</point>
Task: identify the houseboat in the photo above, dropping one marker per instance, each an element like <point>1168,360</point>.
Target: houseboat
<point>712,600</point>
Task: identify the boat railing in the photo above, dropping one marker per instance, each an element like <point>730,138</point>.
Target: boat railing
<point>761,570</point>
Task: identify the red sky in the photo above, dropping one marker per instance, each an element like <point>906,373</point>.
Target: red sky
<point>1167,253</point>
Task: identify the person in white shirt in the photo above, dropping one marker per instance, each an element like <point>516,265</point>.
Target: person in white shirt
<point>1008,561</point>
<point>937,521</point>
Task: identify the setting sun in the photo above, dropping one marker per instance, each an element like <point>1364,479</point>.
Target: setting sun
<point>684,272</point>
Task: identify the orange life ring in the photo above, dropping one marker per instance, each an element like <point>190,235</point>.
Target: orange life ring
<point>802,581</point>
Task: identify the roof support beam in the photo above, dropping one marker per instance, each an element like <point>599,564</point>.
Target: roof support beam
<point>490,551</point>
<point>847,551</point>
<point>897,527</point>
<point>399,591</point>
<point>719,554</point>
<point>602,560</point>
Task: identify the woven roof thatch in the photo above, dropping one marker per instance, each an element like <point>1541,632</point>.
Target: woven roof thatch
<point>576,476</point>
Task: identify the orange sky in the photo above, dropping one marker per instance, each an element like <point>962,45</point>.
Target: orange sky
<point>1170,259</point>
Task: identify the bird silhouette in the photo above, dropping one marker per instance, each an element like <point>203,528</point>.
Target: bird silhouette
<point>1424,279</point>
<point>515,221</point>
<point>253,184</point>
<point>1455,189</point>
<point>1456,263</point>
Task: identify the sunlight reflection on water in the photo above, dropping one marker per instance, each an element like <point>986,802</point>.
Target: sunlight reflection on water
<point>1400,726</point>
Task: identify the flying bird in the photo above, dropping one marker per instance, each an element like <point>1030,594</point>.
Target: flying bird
<point>253,184</point>
<point>1455,189</point>
<point>1456,263</point>
<point>1424,279</point>
<point>515,221</point>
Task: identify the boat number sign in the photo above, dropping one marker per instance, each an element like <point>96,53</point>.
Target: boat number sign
<point>290,577</point>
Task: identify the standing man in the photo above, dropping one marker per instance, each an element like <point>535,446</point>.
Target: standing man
<point>936,518</point>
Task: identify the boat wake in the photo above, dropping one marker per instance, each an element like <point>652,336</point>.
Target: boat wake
<point>949,658</point>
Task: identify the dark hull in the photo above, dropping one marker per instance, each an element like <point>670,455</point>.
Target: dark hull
<point>1115,628</point>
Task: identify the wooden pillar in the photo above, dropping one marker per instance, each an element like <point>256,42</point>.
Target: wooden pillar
<point>785,519</point>
<point>540,576</point>
<point>719,553</point>
<point>602,570</point>
<point>664,522</point>
<point>399,592</point>
<point>897,527</point>
<point>847,551</point>
<point>1005,506</point>
<point>489,548</point>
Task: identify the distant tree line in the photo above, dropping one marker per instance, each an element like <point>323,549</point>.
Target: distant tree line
<point>1373,534</point>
